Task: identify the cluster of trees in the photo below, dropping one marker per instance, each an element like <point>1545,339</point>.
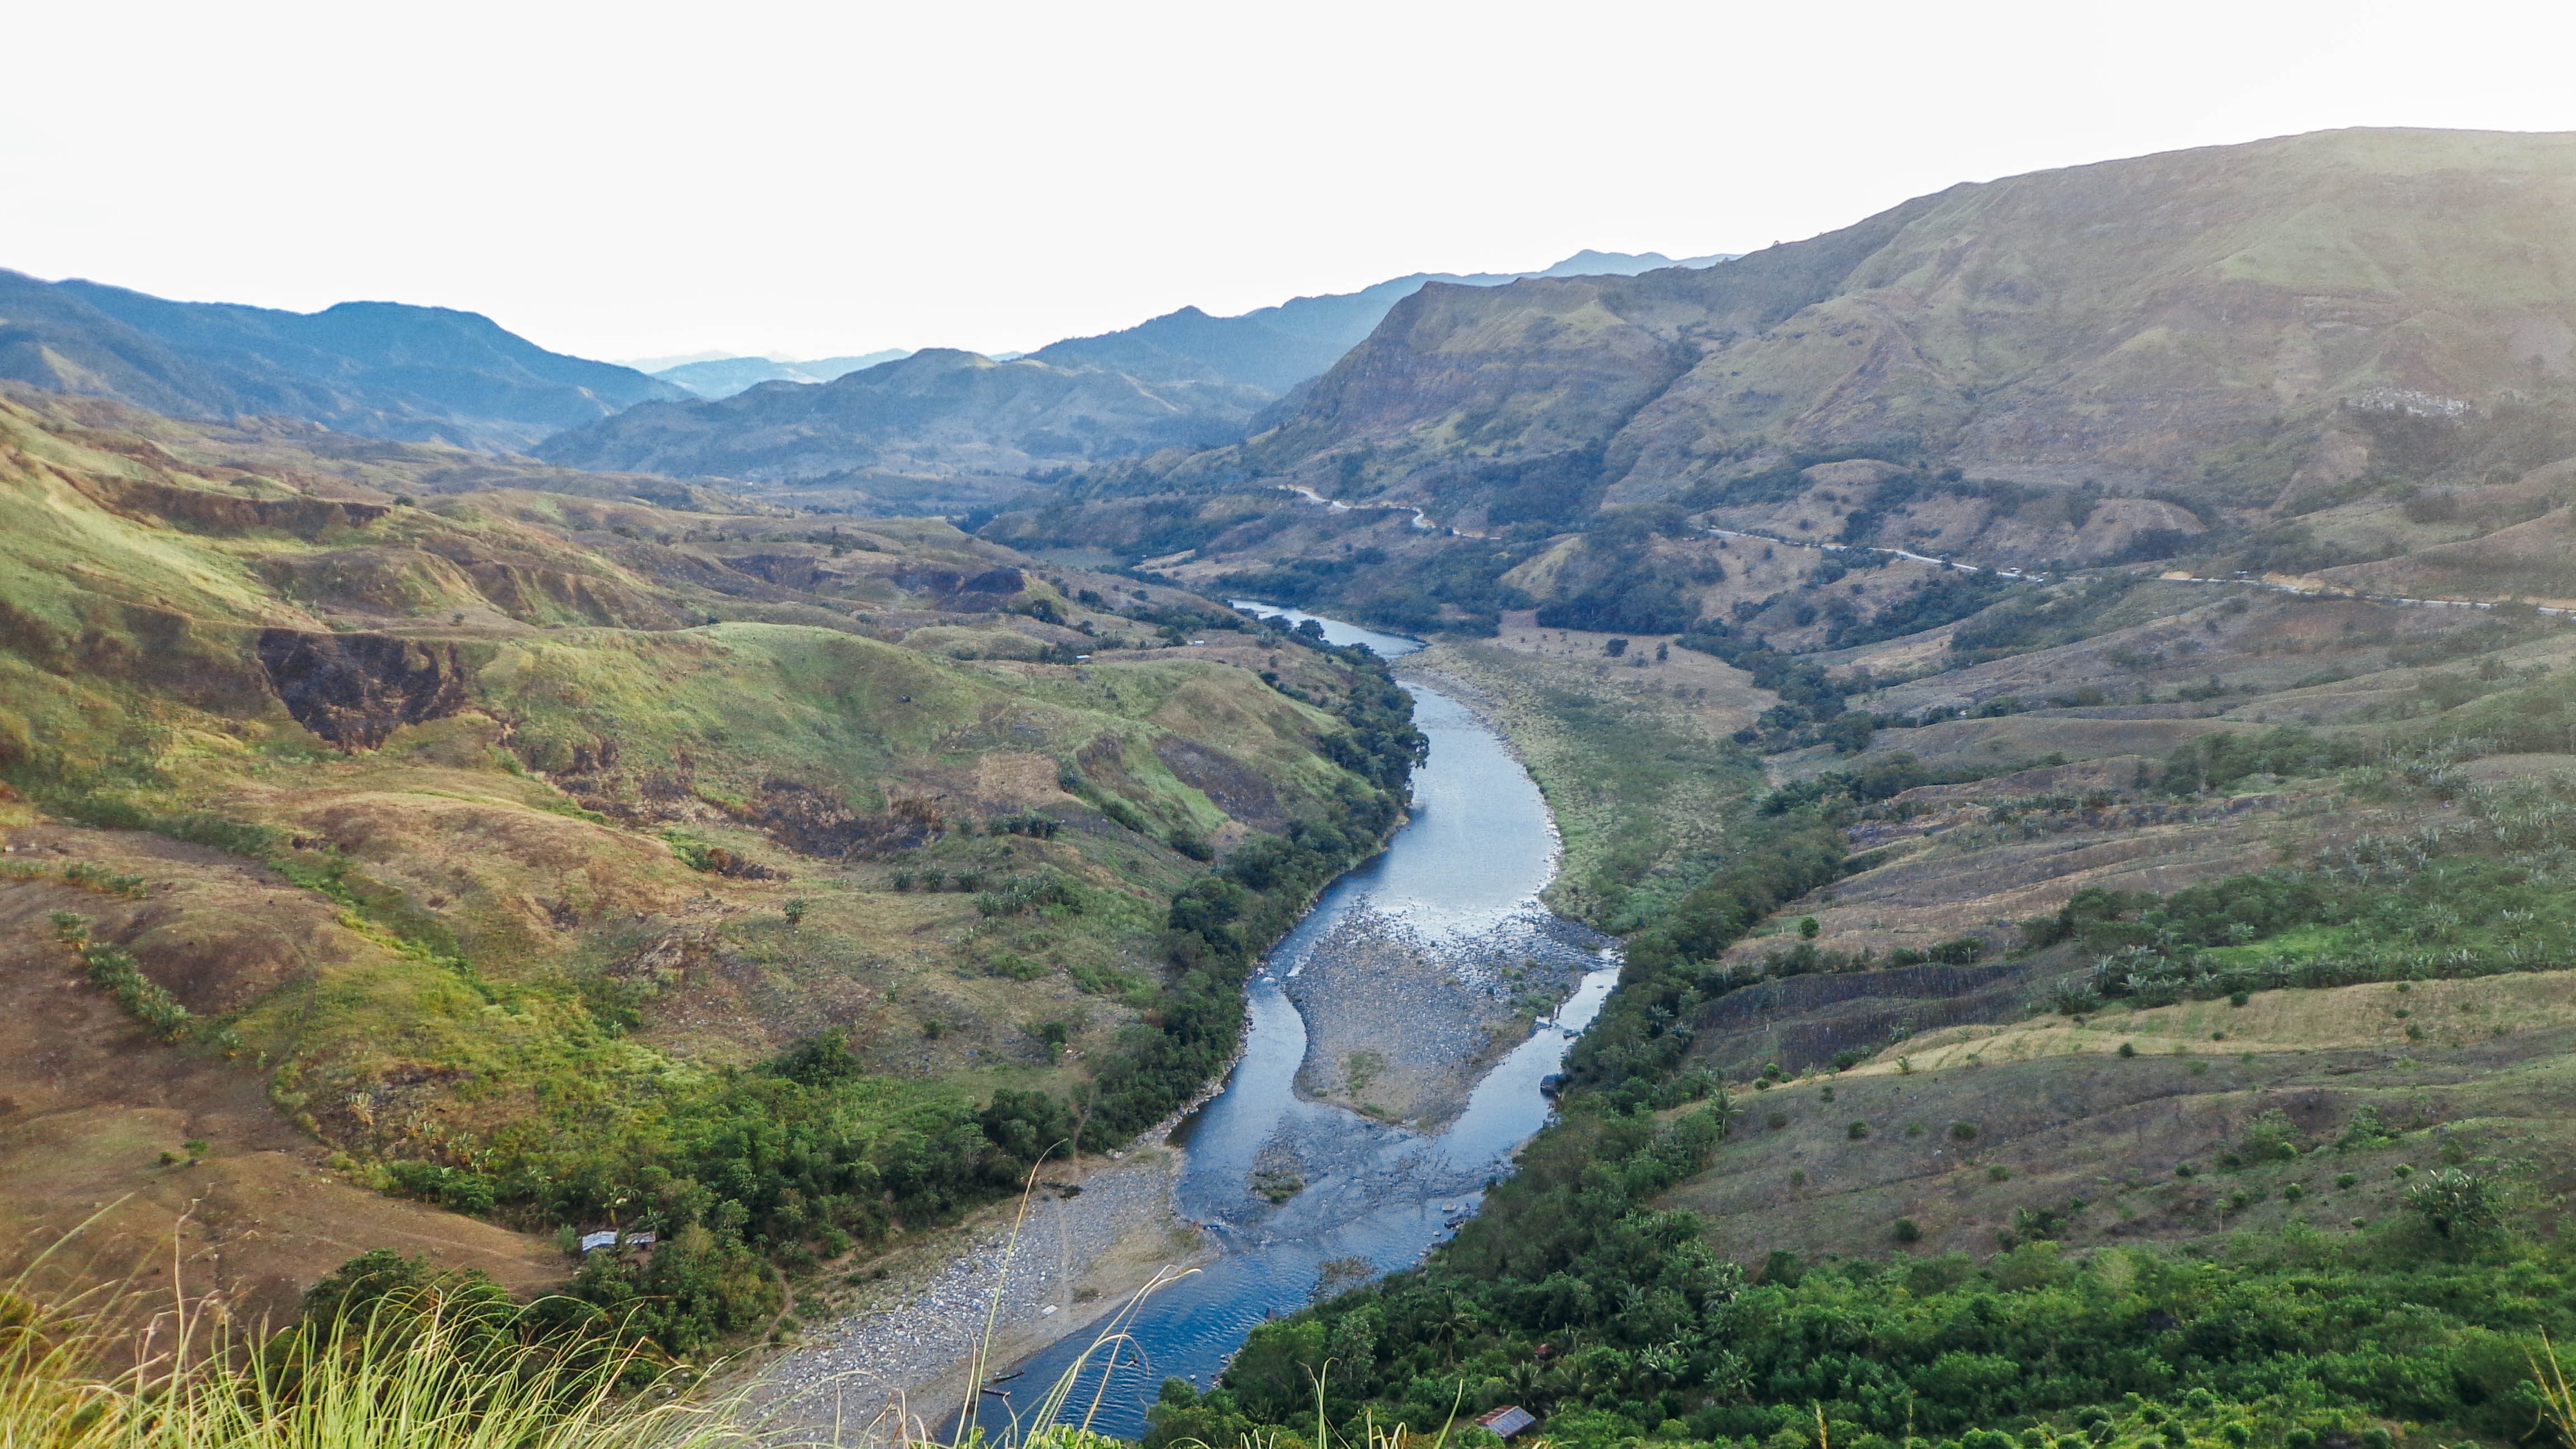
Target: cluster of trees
<point>1626,588</point>
<point>1811,702</point>
<point>1634,1328</point>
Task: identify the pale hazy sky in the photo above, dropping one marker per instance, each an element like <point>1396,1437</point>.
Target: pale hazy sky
<point>638,178</point>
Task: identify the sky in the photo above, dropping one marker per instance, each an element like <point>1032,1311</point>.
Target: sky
<point>640,179</point>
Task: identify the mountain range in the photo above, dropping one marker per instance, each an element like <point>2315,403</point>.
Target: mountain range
<point>383,369</point>
<point>1276,348</point>
<point>722,377</point>
<point>939,431</point>
<point>947,429</point>
<point>411,373</point>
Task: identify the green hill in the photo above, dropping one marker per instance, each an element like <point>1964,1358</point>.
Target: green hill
<point>543,856</point>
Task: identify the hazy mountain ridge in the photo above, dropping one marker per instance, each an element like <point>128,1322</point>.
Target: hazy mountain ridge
<point>2204,320</point>
<point>379,368</point>
<point>950,429</point>
<point>722,377</point>
<point>1276,348</point>
<point>939,428</point>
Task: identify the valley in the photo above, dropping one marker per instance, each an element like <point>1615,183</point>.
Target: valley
<point>1959,834</point>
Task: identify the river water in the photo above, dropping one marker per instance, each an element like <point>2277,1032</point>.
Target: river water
<point>1459,883</point>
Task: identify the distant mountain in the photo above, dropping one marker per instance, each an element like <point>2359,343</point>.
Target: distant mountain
<point>1276,348</point>
<point>381,369</point>
<point>948,430</point>
<point>723,377</point>
<point>939,430</point>
<point>2241,325</point>
<point>676,359</point>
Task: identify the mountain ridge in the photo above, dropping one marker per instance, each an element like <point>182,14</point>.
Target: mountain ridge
<point>2138,322</point>
<point>1280,346</point>
<point>941,429</point>
<point>384,369</point>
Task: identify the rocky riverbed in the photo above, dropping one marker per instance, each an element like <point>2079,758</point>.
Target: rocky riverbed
<point>1402,1022</point>
<point>907,1354</point>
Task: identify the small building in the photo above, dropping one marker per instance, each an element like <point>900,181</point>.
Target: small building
<point>1506,1421</point>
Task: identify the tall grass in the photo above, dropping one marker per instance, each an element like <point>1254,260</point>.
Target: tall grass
<point>425,1368</point>
<point>417,1372</point>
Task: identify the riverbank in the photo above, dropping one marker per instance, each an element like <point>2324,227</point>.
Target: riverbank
<point>1633,754</point>
<point>1088,1244</point>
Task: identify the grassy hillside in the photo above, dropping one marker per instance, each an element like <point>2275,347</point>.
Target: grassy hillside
<point>2199,320</point>
<point>563,860</point>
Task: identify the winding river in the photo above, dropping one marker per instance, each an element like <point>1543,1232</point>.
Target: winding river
<point>1458,884</point>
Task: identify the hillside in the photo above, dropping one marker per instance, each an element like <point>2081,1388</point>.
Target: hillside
<point>378,854</point>
<point>2136,977</point>
<point>1276,348</point>
<point>376,368</point>
<point>939,430</point>
<point>2218,323</point>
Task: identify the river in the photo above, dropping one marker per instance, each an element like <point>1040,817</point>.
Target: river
<point>1457,889</point>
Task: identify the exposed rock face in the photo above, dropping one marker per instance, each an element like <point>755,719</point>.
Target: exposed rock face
<point>211,512</point>
<point>356,689</point>
<point>2227,320</point>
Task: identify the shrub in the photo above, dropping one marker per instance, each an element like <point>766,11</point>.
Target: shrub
<point>1906,1231</point>
<point>2455,1203</point>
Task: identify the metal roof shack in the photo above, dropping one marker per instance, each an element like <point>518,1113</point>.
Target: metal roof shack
<point>1507,1420</point>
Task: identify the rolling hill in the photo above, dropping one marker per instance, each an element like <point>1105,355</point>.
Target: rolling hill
<point>722,377</point>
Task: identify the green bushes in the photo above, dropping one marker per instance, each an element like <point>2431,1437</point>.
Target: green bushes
<point>103,881</point>
<point>112,969</point>
<point>2281,1332</point>
<point>1045,892</point>
<point>1666,976</point>
<point>2215,762</point>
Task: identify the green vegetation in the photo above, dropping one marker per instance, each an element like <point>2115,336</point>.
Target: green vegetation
<point>2485,890</point>
<point>1581,1294</point>
<point>1641,787</point>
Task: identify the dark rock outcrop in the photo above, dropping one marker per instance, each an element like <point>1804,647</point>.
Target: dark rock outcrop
<point>355,690</point>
